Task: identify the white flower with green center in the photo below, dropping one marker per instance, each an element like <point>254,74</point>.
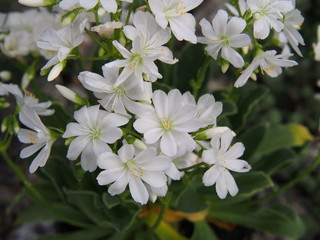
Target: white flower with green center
<point>225,35</point>
<point>127,96</point>
<point>224,157</point>
<point>39,137</point>
<point>94,131</point>
<point>140,171</point>
<point>170,122</point>
<point>136,63</point>
<point>175,13</point>
<point>268,14</point>
<point>269,62</point>
<point>152,35</point>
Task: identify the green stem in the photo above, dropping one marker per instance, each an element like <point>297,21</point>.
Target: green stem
<point>162,212</point>
<point>289,184</point>
<point>89,58</point>
<point>38,196</point>
<point>201,76</point>
<point>194,166</point>
<point>129,13</point>
<point>96,39</point>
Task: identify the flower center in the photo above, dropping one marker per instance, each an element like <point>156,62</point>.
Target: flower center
<point>135,61</point>
<point>95,133</point>
<point>119,91</point>
<point>134,169</point>
<point>224,39</point>
<point>166,122</point>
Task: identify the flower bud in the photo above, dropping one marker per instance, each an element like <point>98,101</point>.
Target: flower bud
<point>253,76</point>
<point>107,30</point>
<point>225,66</point>
<point>139,144</point>
<point>56,70</point>
<point>256,16</point>
<point>69,94</point>
<point>211,132</point>
<point>38,3</point>
<point>5,75</point>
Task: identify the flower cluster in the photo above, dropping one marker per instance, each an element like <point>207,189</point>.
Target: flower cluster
<point>130,133</point>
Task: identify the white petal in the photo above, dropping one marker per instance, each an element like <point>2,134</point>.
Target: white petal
<point>119,185</point>
<point>76,147</point>
<point>211,175</point>
<point>159,163</point>
<point>74,129</point>
<point>168,144</point>
<point>109,5</point>
<point>126,152</point>
<point>153,135</point>
<point>235,26</point>
<point>154,178</point>
<point>88,4</point>
<point>240,40</point>
<point>109,176</point>
<point>41,158</point>
<point>232,56</point>
<point>219,23</point>
<point>221,187</point>
<point>109,160</point>
<point>209,156</point>
<point>30,150</point>
<point>173,172</point>
<point>88,158</point>
<point>143,125</point>
<point>110,135</point>
<point>184,27</point>
<point>237,165</point>
<point>234,152</point>
<point>138,190</point>
<point>231,184</point>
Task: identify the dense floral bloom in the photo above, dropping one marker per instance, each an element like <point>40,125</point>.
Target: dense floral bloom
<point>120,98</point>
<point>136,63</point>
<point>225,35</point>
<point>139,171</point>
<point>39,137</point>
<point>95,128</point>
<point>27,99</point>
<point>269,62</point>
<point>268,14</point>
<point>175,13</point>
<point>152,36</point>
<point>170,122</point>
<point>223,157</point>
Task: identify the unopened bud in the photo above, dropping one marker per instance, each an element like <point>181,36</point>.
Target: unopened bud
<point>56,70</point>
<point>210,133</point>
<point>38,3</point>
<point>253,76</point>
<point>5,75</point>
<point>245,50</point>
<point>69,17</point>
<point>256,16</point>
<point>225,67</point>
<point>107,30</point>
<point>139,144</point>
<point>69,94</point>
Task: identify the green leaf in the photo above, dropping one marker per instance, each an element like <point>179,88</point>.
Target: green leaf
<point>280,220</point>
<point>203,231</point>
<point>91,234</point>
<point>40,213</point>
<point>275,161</point>
<point>283,136</point>
<point>252,182</point>
<point>251,140</point>
<point>229,109</point>
<point>248,99</point>
<point>110,201</point>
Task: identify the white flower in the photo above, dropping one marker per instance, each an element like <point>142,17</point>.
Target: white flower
<point>175,13</point>
<point>39,137</point>
<point>207,108</point>
<point>61,41</point>
<point>17,44</point>
<point>225,35</point>
<point>27,99</point>
<point>108,5</point>
<point>224,158</point>
<point>117,98</point>
<point>267,14</point>
<point>169,123</point>
<point>292,20</point>
<point>95,128</point>
<point>269,62</point>
<point>135,64</point>
<point>137,171</point>
<point>152,36</point>
<point>38,3</point>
